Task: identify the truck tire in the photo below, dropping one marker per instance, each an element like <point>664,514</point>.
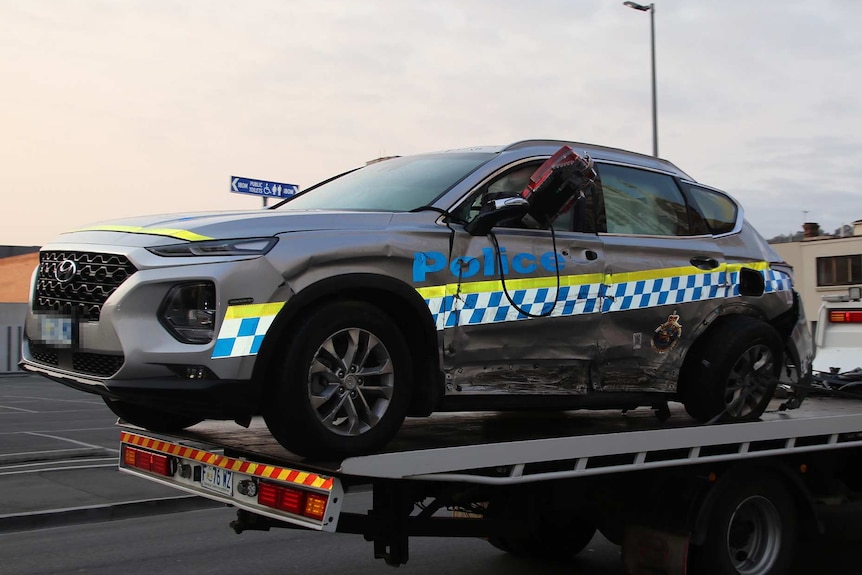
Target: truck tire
<point>344,385</point>
<point>751,530</point>
<point>150,418</point>
<point>732,372</point>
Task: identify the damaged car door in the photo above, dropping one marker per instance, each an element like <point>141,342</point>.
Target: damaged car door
<point>523,301</point>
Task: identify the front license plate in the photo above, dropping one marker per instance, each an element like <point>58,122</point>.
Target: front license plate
<point>56,330</point>
<point>217,479</point>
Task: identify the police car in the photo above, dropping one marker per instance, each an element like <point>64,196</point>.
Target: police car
<point>538,275</point>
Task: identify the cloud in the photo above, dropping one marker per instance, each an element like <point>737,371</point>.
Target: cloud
<point>126,107</point>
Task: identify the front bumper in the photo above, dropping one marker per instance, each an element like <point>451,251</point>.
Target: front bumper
<point>205,398</point>
<point>126,353</point>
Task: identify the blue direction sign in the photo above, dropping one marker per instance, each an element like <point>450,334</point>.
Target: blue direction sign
<point>263,188</point>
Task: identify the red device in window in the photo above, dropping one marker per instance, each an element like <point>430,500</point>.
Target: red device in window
<point>558,183</point>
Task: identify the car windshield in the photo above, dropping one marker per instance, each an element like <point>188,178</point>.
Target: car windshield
<point>394,185</point>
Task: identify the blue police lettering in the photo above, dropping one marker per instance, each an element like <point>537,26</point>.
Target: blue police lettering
<point>464,267</point>
<point>488,264</point>
<point>519,265</point>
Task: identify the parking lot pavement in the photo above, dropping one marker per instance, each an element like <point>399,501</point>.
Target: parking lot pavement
<point>58,460</point>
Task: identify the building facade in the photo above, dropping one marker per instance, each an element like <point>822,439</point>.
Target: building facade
<point>823,265</point>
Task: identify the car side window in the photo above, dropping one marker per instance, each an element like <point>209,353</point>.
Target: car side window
<point>642,202</point>
<point>718,211</point>
<point>508,184</point>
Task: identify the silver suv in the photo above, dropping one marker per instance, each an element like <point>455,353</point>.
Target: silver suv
<point>539,275</point>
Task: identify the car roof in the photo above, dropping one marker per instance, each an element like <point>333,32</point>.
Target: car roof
<point>596,152</point>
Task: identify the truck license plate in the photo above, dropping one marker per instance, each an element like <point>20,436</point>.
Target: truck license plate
<point>217,479</point>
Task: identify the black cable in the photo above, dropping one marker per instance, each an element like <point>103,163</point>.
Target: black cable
<point>503,275</point>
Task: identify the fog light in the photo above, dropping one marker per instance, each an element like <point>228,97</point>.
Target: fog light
<point>192,371</point>
<point>188,312</point>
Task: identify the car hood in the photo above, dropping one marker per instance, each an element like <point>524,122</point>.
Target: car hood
<point>170,228</point>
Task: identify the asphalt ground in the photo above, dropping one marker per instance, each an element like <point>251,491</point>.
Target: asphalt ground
<point>58,461</point>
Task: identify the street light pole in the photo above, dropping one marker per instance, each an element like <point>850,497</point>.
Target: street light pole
<point>651,9</point>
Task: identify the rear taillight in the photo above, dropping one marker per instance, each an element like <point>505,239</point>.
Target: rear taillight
<point>845,316</point>
<point>294,501</point>
<point>148,461</point>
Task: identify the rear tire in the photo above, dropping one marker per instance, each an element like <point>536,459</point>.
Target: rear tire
<point>752,530</point>
<point>344,386</point>
<point>149,418</point>
<point>732,372</point>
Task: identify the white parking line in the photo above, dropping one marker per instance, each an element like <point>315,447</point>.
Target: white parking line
<point>75,441</point>
<point>90,402</point>
<point>17,409</point>
<point>41,464</point>
<point>22,472</point>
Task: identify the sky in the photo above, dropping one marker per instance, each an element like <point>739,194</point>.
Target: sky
<point>118,108</point>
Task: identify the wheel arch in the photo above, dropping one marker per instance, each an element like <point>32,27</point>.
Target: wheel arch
<point>404,306</point>
<point>715,320</point>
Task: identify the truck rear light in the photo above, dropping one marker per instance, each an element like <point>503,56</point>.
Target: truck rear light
<point>291,500</point>
<point>148,461</point>
<point>315,506</point>
<point>845,316</point>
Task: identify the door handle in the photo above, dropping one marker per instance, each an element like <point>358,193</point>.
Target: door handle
<point>704,263</point>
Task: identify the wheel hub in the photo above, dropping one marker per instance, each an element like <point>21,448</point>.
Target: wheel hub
<point>351,382</point>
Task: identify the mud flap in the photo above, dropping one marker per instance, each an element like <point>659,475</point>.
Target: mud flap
<point>648,551</point>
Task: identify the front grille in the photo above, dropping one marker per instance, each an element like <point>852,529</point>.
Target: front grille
<point>78,283</point>
<point>44,354</point>
<point>96,363</point>
<point>100,364</point>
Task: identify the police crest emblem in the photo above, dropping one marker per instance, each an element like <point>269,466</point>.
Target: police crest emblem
<point>667,335</point>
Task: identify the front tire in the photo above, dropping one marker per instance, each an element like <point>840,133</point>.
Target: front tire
<point>732,372</point>
<point>343,389</point>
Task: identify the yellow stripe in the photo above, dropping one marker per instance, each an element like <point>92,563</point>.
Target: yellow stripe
<point>253,310</point>
<point>625,277</point>
<point>168,232</point>
<point>433,292</point>
<point>760,266</point>
<point>300,478</point>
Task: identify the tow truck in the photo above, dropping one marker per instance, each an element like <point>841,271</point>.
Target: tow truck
<point>679,496</point>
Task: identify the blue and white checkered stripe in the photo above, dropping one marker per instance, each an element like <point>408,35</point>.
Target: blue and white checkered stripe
<point>774,281</point>
<point>493,306</point>
<point>663,291</point>
<point>243,329</point>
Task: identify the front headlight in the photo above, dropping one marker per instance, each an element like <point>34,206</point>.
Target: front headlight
<point>188,312</point>
<point>240,247</point>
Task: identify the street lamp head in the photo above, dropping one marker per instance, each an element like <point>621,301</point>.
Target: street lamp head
<point>636,6</point>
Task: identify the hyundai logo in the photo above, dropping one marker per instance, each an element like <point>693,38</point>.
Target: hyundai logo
<point>65,271</point>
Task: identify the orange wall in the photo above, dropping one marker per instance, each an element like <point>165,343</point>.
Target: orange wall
<point>15,275</point>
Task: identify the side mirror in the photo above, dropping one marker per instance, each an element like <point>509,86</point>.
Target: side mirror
<point>495,212</point>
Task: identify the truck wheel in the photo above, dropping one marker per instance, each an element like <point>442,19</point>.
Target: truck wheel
<point>344,386</point>
<point>732,372</point>
<point>752,529</point>
<point>150,418</point>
